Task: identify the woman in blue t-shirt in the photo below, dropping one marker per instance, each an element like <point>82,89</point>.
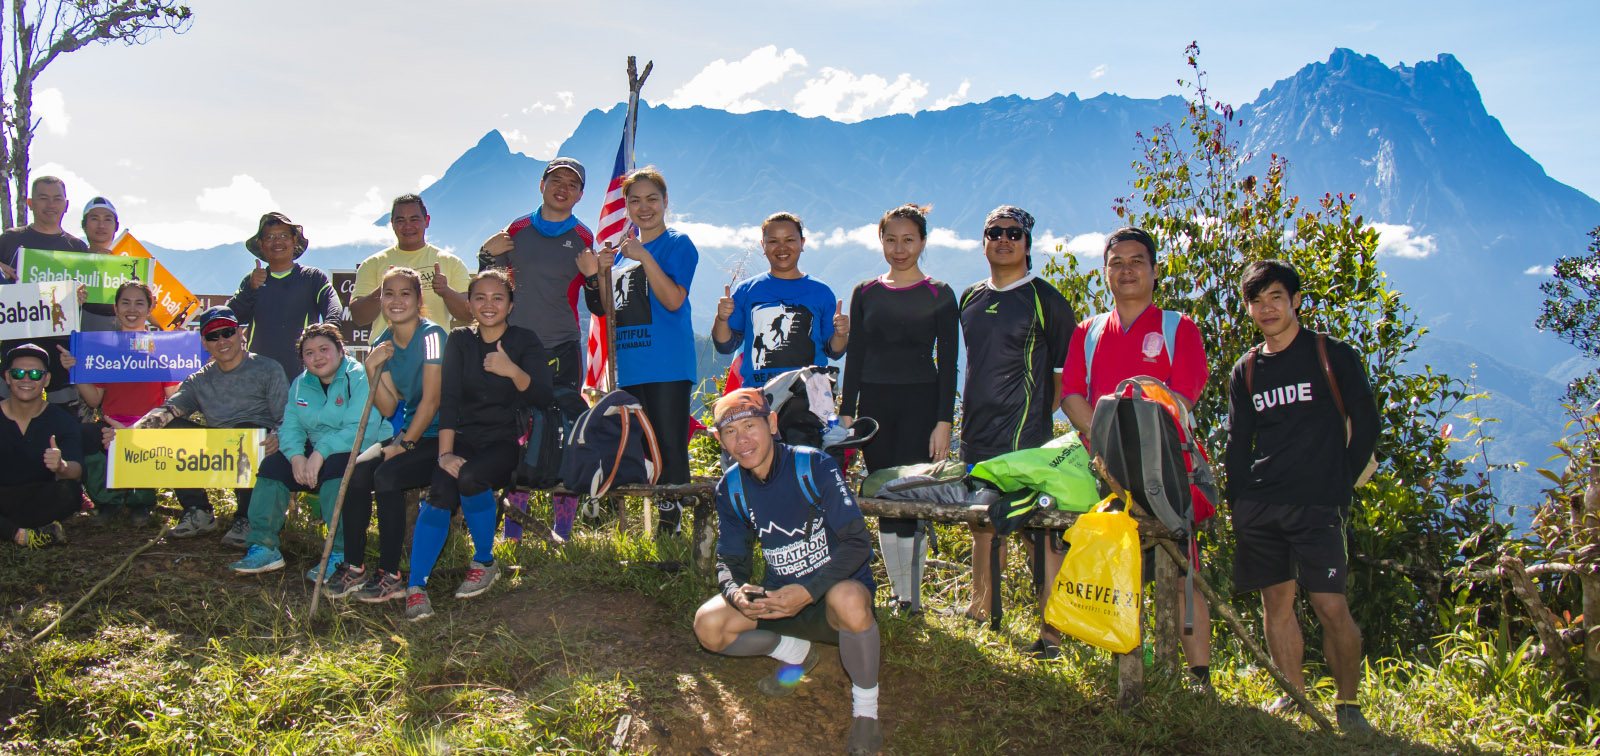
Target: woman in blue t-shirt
<point>650,279</point>
<point>405,369</point>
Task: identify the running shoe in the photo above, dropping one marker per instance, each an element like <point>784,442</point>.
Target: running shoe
<point>257,560</point>
<point>417,604</point>
<point>38,538</point>
<point>866,737</point>
<point>381,587</point>
<point>783,680</point>
<point>479,577</point>
<point>235,536</point>
<point>1351,720</point>
<point>193,523</point>
<point>1043,650</point>
<point>344,581</point>
<point>335,559</point>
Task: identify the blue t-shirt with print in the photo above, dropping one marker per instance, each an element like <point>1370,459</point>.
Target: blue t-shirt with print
<point>797,537</point>
<point>405,366</point>
<point>654,344</point>
<point>786,322</point>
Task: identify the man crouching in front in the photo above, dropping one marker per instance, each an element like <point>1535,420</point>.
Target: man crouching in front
<point>818,585</point>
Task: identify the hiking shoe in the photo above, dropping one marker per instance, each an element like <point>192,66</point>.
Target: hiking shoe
<point>866,737</point>
<point>479,577</point>
<point>257,560</point>
<point>382,586</point>
<point>417,604</point>
<point>907,610</point>
<point>1043,650</point>
<point>335,561</point>
<point>1351,720</point>
<point>193,523</point>
<point>783,680</point>
<point>38,538</point>
<point>140,519</point>
<point>344,581</point>
<point>1282,705</point>
<point>236,534</point>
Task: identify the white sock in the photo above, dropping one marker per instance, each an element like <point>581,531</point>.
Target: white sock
<point>791,650</point>
<point>864,701</point>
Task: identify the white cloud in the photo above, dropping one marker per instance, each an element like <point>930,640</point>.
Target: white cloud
<point>540,107</point>
<point>425,181</point>
<point>952,100</point>
<point>949,239</point>
<point>861,236</point>
<point>51,107</point>
<point>1098,71</point>
<point>79,190</point>
<point>357,227</point>
<point>1540,270</point>
<point>192,234</point>
<point>843,96</point>
<point>567,99</point>
<point>1084,245</point>
<point>515,135</point>
<point>132,201</point>
<point>1401,241</point>
<point>723,237</point>
<point>243,197</point>
<point>729,86</point>
<point>566,102</point>
<point>1046,241</point>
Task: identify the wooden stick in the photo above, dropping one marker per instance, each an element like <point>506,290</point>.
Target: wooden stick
<point>610,304</point>
<point>1229,617</point>
<point>1554,647</point>
<point>344,486</point>
<point>1044,519</point>
<point>50,628</point>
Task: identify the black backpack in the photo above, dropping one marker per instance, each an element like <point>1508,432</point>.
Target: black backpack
<point>612,444</point>
<point>547,430</point>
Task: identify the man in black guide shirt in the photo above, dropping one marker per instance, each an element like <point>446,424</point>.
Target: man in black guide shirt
<point>1292,466</point>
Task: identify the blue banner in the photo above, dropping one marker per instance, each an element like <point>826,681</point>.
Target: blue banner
<point>135,357</point>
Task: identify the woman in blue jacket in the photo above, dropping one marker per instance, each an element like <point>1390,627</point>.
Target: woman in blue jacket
<point>314,443</point>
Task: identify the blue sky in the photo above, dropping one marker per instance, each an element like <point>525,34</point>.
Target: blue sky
<point>325,110</point>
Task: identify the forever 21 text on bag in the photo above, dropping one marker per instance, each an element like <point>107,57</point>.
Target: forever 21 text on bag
<point>611,445</point>
<point>1098,592</point>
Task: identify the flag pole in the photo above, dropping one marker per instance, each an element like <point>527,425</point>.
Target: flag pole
<point>630,125</point>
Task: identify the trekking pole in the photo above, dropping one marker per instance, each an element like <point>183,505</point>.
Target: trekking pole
<point>50,628</point>
<point>338,501</point>
<point>1229,617</point>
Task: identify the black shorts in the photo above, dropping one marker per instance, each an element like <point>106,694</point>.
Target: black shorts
<point>810,623</point>
<point>1275,543</point>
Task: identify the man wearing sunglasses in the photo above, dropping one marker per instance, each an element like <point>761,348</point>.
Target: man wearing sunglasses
<point>236,389</point>
<point>39,483</point>
<point>1017,329</point>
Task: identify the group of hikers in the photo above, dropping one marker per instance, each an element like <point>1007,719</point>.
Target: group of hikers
<point>455,352</point>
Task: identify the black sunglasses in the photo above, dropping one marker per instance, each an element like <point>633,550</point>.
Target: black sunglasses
<point>993,233</point>
<point>32,374</point>
<point>221,333</point>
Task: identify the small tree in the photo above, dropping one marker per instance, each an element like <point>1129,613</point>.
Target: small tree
<point>1212,219</point>
<point>1572,312</point>
<point>36,34</point>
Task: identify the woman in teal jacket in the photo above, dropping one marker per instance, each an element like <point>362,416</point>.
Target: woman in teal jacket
<point>314,443</point>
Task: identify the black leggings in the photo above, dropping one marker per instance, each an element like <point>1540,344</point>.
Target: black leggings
<point>906,415</point>
<point>31,505</point>
<point>666,406</point>
<point>487,467</point>
<point>386,481</point>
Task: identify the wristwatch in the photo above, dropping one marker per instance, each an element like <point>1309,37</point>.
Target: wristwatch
<point>407,445</point>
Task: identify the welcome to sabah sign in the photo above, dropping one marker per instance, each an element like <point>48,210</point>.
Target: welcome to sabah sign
<point>32,310</point>
<point>184,458</point>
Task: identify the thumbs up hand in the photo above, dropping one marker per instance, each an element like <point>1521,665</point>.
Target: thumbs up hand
<point>67,360</point>
<point>258,276</point>
<point>725,304</point>
<point>441,284</point>
<point>52,458</point>
<point>499,363</point>
<point>841,321</point>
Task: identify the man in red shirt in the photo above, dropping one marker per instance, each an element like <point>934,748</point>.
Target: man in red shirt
<point>1138,338</point>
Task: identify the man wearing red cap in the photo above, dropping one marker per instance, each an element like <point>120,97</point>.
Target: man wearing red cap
<point>814,542</point>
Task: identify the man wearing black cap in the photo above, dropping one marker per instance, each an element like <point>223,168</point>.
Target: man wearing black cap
<point>541,251</point>
<point>236,389</point>
<point>278,301</point>
<point>44,459</point>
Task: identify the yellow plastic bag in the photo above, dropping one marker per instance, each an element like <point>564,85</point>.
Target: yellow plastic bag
<point>1097,594</point>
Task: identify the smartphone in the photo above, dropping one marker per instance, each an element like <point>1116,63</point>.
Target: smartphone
<point>753,595</point>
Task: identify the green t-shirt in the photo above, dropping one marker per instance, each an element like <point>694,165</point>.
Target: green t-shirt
<point>426,348</point>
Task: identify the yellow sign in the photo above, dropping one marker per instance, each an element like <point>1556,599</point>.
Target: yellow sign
<point>184,458</point>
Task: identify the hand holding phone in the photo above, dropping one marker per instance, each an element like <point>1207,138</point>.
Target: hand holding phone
<point>752,595</point>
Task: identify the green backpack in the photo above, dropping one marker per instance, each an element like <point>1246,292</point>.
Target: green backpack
<point>1060,469</point>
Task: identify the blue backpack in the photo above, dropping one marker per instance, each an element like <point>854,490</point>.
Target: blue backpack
<point>1097,327</point>
<point>802,473</point>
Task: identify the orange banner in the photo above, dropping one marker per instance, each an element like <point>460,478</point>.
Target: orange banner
<point>174,304</point>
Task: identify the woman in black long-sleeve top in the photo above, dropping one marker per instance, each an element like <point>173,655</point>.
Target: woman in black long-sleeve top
<point>490,369</point>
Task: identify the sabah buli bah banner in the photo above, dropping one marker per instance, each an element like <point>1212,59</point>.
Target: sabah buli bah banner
<point>184,458</point>
<point>32,310</point>
<point>135,357</point>
<point>102,274</point>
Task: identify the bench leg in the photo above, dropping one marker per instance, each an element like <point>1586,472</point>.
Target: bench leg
<point>705,534</point>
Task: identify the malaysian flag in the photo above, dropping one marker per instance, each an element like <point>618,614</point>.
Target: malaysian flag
<point>614,226</point>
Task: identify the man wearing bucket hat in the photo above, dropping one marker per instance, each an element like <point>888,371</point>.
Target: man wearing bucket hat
<point>235,389</point>
<point>818,585</point>
<point>281,297</point>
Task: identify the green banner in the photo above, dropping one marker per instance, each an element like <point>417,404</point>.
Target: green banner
<point>102,274</point>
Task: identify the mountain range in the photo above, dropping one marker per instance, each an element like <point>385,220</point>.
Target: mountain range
<point>1413,143</point>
